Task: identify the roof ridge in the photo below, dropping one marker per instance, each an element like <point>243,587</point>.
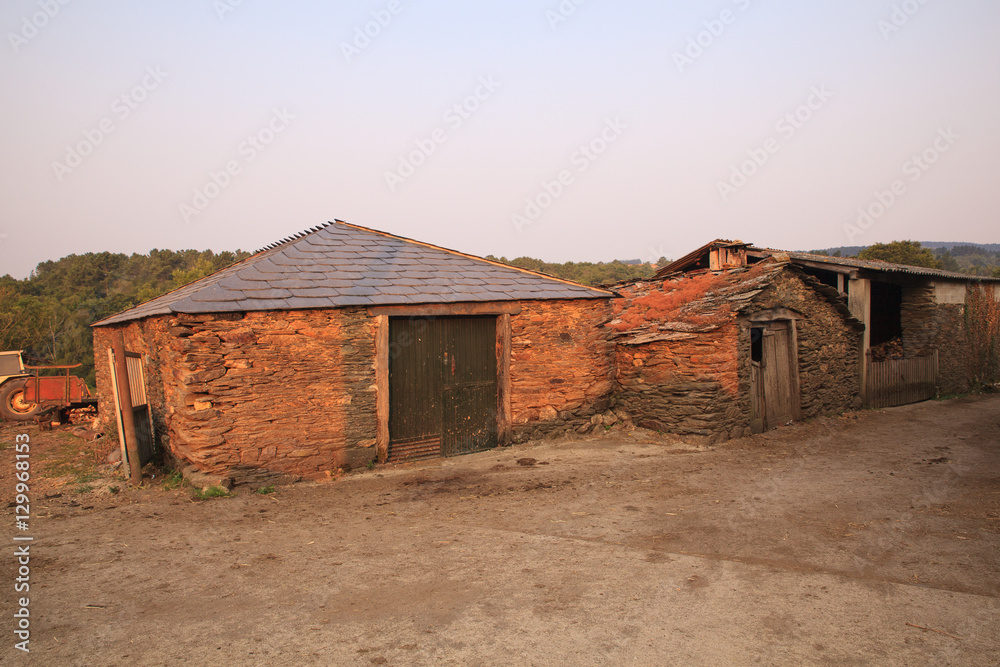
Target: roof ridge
<point>294,237</point>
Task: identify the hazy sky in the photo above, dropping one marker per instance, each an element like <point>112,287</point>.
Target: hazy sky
<point>585,130</point>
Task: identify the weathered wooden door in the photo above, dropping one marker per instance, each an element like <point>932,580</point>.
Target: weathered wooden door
<point>774,376</point>
<point>442,386</point>
<point>141,410</point>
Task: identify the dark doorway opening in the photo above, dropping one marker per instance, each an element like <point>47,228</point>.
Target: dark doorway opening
<point>886,313</point>
<point>756,344</point>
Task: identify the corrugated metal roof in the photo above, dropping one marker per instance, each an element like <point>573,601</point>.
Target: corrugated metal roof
<point>870,265</point>
<point>340,264</point>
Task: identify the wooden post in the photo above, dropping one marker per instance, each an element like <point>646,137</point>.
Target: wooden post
<point>859,303</point>
<point>503,379</point>
<point>125,401</point>
<point>382,388</point>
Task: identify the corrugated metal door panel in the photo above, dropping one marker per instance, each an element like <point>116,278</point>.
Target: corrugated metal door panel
<point>415,379</point>
<point>470,391</point>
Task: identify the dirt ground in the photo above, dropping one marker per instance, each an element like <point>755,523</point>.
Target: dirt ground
<point>872,538</point>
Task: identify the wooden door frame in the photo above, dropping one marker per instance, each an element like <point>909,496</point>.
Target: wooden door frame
<point>382,314</point>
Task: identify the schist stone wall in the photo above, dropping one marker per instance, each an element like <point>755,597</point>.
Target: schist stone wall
<point>686,386</point>
<point>263,396</point>
<point>561,366</point>
<point>930,323</point>
<point>687,381</point>
<point>697,383</point>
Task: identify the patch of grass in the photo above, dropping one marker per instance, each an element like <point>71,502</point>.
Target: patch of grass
<point>68,458</point>
<point>371,465</point>
<point>210,493</point>
<point>113,490</point>
<point>85,488</point>
<point>172,481</point>
<point>265,490</point>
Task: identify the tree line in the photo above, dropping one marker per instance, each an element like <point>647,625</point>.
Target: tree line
<point>969,259</point>
<point>48,314</point>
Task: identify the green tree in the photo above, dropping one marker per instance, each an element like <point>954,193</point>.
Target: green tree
<point>947,261</point>
<point>910,253</point>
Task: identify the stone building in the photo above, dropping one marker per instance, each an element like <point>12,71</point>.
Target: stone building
<point>715,348</point>
<point>344,344</point>
<point>909,312</point>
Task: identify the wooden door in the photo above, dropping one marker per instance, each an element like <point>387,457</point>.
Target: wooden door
<point>774,377</point>
<point>442,386</point>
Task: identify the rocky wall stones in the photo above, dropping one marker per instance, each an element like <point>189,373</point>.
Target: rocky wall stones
<point>686,387</point>
<point>562,366</point>
<point>265,395</point>
<point>697,383</point>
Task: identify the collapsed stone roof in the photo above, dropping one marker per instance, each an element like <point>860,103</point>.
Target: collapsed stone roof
<point>340,265</point>
<point>742,287</point>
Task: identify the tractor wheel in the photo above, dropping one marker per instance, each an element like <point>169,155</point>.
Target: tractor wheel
<point>12,403</point>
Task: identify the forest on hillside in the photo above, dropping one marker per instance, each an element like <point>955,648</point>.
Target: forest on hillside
<point>594,274</point>
<point>48,314</point>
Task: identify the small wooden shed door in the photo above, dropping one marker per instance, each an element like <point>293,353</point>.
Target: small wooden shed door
<point>774,385</point>
<point>442,386</point>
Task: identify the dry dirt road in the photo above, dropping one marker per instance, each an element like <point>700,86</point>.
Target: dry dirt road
<point>865,539</point>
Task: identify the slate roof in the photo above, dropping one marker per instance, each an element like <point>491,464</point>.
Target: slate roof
<point>340,264</point>
<point>870,265</point>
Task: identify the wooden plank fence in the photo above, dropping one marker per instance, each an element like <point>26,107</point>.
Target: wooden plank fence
<point>901,381</point>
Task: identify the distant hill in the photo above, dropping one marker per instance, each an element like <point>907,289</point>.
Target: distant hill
<point>853,250</point>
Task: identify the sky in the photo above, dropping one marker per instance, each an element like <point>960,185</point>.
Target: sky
<point>583,130</point>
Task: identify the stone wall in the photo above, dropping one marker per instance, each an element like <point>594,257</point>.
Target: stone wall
<point>562,365</point>
<point>929,325</point>
<point>264,395</point>
<point>687,386</point>
<point>697,383</point>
